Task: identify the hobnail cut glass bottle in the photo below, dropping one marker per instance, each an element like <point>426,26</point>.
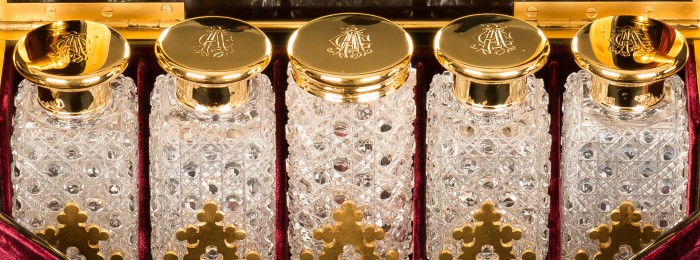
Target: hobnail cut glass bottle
<point>226,158</point>
<point>362,152</point>
<point>90,160</point>
<point>609,157</point>
<point>476,156</point>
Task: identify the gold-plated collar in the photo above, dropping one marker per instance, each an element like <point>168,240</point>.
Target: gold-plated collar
<point>72,62</point>
<point>350,57</point>
<point>213,57</point>
<point>490,55</point>
<point>629,56</point>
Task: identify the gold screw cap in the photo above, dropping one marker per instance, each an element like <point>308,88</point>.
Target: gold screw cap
<point>629,56</point>
<point>490,55</point>
<point>71,61</point>
<point>350,57</point>
<point>214,56</point>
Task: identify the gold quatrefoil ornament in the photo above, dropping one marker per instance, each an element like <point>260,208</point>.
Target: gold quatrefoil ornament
<point>209,233</point>
<point>73,232</point>
<point>349,230</point>
<point>625,231</point>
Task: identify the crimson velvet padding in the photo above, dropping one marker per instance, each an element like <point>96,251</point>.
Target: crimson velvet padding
<point>144,69</point>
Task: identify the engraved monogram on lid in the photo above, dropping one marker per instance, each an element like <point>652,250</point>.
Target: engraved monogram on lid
<point>72,46</point>
<point>215,43</point>
<point>630,41</point>
<point>350,43</point>
<point>495,39</point>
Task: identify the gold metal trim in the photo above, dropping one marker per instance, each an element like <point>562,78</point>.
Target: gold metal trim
<point>211,232</point>
<point>348,230</point>
<point>73,231</point>
<point>31,236</point>
<point>625,229</point>
<point>2,56</point>
<point>487,230</point>
<point>561,20</point>
<point>118,15</point>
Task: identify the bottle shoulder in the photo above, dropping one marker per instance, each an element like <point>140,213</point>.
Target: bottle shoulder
<point>167,111</point>
<point>443,103</point>
<point>581,110</point>
<point>119,115</point>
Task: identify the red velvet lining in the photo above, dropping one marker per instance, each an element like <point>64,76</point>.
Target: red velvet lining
<point>144,69</point>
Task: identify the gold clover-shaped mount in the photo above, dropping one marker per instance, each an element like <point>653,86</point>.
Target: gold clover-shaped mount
<point>626,230</point>
<point>73,232</point>
<point>208,233</point>
<point>349,230</point>
<point>487,236</point>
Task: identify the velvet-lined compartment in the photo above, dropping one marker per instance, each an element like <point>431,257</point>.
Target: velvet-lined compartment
<point>144,69</point>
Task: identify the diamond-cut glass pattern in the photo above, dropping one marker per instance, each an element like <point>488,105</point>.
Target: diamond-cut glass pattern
<point>362,152</point>
<point>476,156</point>
<point>226,158</point>
<point>89,160</point>
<point>611,157</point>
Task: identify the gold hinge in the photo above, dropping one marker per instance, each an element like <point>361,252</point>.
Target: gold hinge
<point>563,19</point>
<point>135,20</point>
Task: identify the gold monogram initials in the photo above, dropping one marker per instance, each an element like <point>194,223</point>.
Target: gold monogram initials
<point>71,46</point>
<point>630,41</point>
<point>494,40</point>
<point>215,43</point>
<point>350,43</point>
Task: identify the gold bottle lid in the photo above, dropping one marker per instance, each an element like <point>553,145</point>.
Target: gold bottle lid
<point>628,57</point>
<point>71,61</point>
<point>215,56</point>
<point>490,55</point>
<point>350,57</point>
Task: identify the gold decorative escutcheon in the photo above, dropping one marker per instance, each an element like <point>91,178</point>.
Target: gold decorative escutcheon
<point>487,237</point>
<point>626,231</point>
<point>349,231</point>
<point>208,234</point>
<point>74,233</point>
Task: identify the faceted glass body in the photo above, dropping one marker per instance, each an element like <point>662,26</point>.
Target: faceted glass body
<point>614,157</point>
<point>226,159</point>
<point>90,161</point>
<point>342,152</point>
<point>475,157</point>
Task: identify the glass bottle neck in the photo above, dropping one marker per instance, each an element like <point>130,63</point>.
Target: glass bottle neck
<point>626,97</point>
<point>490,96</point>
<point>214,99</point>
<point>72,103</point>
